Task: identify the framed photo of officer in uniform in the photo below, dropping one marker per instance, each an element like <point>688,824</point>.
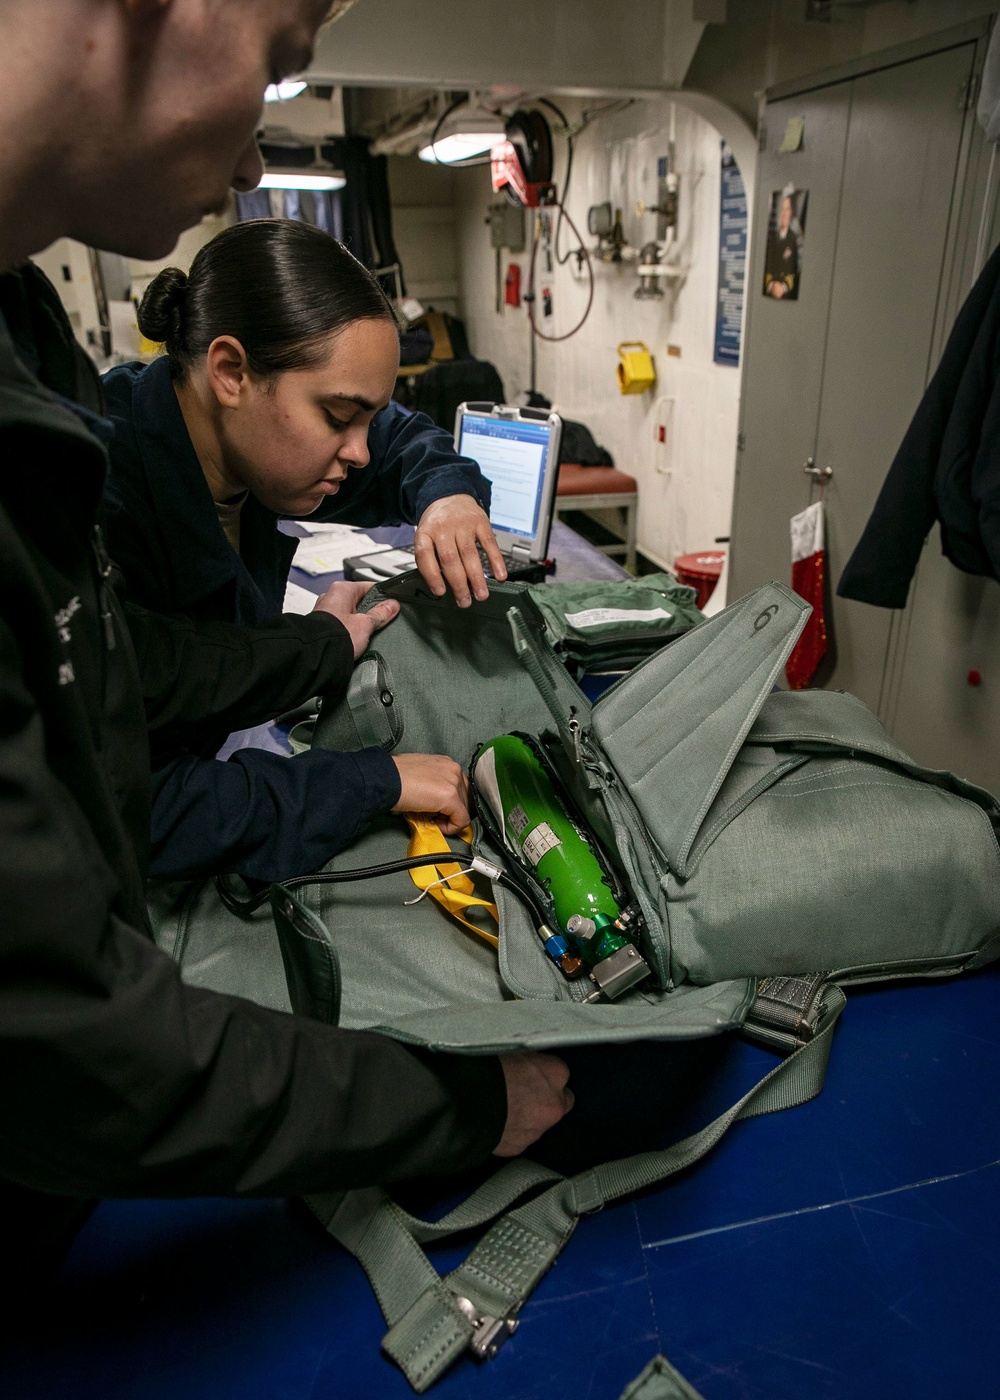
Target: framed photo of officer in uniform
<point>785,237</point>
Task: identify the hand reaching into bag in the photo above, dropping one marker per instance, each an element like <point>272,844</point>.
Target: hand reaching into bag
<point>341,601</point>
<point>537,1098</point>
<point>436,785</point>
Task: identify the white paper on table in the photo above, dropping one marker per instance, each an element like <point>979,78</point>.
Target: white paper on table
<point>334,528</point>
<point>298,599</point>
<point>324,554</point>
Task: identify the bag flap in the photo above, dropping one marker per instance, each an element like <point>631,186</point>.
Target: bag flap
<point>823,719</point>
<point>686,1013</point>
<point>818,721</point>
<point>440,679</point>
<point>673,727</point>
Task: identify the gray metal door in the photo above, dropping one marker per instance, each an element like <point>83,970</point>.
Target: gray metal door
<point>783,364</point>
<point>900,172</point>
<point>947,713</point>
<point>837,374</point>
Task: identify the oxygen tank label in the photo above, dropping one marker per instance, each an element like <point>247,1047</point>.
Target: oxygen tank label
<point>539,842</point>
<point>517,819</point>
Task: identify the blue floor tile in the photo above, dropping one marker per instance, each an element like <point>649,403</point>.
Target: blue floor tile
<point>847,1248</point>
<point>891,1295</point>
<point>911,1093</point>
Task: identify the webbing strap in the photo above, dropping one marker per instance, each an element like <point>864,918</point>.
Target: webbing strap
<point>786,1010</point>
<point>445,882</point>
<point>432,1320</point>
<point>429,1327</point>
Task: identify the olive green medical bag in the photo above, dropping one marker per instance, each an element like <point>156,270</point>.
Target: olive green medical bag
<point>778,845</point>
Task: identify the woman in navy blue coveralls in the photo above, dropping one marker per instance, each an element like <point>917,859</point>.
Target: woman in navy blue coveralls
<point>274,394</point>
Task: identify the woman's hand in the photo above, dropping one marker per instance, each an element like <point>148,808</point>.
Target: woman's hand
<point>434,784</point>
<point>341,601</point>
<point>446,548</point>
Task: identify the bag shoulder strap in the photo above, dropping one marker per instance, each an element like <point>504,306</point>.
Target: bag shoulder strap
<point>431,1319</point>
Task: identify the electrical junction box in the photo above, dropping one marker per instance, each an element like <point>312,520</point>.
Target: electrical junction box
<point>506,223</point>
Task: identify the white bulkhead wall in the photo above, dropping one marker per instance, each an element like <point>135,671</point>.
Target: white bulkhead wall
<point>685,484</point>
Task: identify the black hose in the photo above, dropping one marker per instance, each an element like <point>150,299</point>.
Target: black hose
<point>530,297</point>
<point>544,102</point>
<point>571,252</point>
<point>525,896</point>
<point>245,907</point>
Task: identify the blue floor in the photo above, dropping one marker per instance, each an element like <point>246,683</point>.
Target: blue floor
<point>848,1248</point>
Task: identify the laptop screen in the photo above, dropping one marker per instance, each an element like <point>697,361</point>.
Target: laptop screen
<point>513,456</point>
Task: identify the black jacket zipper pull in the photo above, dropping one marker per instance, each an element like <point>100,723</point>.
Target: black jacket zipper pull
<point>104,572</point>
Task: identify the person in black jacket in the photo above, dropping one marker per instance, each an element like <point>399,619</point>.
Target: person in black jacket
<point>273,400</point>
<point>123,123</point>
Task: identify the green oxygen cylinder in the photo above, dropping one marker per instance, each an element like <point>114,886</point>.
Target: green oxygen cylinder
<point>536,826</point>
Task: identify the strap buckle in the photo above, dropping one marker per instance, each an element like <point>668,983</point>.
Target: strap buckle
<point>786,1011</point>
<point>488,1333</point>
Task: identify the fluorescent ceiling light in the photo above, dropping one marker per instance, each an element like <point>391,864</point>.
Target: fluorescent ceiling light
<point>281,92</point>
<point>290,180</point>
<point>460,146</point>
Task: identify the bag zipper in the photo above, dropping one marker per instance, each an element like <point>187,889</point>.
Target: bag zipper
<point>597,774</point>
<point>618,807</point>
<point>527,655</point>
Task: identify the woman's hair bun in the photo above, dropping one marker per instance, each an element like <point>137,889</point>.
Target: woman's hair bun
<point>279,287</point>
<point>161,311</point>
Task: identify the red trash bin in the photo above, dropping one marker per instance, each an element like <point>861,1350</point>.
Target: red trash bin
<point>700,572</point>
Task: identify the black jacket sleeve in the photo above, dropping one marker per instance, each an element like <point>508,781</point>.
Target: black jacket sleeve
<point>257,814</point>
<point>120,1080</point>
<point>947,466</point>
<point>413,463</point>
<point>262,815</point>
<point>191,672</point>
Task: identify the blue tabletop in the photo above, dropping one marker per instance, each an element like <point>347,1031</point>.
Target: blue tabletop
<point>848,1248</point>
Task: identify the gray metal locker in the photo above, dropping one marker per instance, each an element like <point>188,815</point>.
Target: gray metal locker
<point>893,161</point>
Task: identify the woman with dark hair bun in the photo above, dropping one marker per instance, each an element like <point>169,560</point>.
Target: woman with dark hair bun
<point>274,399</point>
<point>281,356</point>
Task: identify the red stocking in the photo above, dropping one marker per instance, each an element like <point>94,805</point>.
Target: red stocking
<point>808,578</point>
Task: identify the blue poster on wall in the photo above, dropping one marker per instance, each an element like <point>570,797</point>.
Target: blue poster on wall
<point>732,261</point>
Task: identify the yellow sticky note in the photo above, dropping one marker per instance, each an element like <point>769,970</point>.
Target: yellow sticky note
<point>792,139</point>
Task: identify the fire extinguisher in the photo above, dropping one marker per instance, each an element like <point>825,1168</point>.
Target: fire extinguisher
<point>512,287</point>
